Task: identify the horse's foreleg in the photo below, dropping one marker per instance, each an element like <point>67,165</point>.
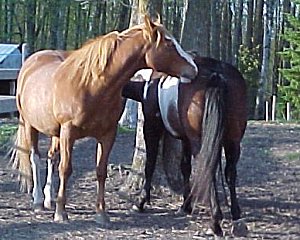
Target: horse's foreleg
<point>65,170</point>
<point>186,172</point>
<point>51,162</point>
<point>104,147</point>
<point>152,138</point>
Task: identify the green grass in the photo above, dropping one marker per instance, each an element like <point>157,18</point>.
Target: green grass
<point>125,130</point>
<point>6,131</point>
<point>293,156</point>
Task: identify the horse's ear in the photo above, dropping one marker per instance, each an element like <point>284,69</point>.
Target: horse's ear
<point>158,19</point>
<point>150,31</point>
<point>149,24</point>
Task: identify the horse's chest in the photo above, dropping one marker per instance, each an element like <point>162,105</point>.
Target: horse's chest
<point>168,104</point>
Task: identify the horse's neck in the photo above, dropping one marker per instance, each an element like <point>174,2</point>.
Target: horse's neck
<point>127,60</point>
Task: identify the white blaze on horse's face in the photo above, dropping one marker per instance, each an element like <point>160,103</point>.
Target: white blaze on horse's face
<point>183,54</point>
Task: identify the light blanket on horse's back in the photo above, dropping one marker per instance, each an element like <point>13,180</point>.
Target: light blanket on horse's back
<point>168,104</point>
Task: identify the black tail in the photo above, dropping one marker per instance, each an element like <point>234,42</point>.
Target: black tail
<point>212,132</point>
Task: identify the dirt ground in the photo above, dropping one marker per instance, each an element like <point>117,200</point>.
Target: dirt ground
<point>268,190</point>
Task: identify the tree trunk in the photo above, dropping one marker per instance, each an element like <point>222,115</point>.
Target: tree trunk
<point>258,42</point>
<point>30,24</point>
<point>237,36</point>
<point>265,67</point>
<point>195,33</point>
<point>135,179</point>
<point>224,32</point>
<point>54,23</point>
<point>249,29</point>
<point>215,29</point>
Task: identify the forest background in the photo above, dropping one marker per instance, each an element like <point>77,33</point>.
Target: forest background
<point>261,38</point>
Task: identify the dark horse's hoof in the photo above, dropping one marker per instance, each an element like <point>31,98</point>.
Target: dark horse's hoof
<point>216,229</point>
<point>184,211</point>
<point>239,228</point>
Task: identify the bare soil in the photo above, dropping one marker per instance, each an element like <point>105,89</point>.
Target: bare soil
<point>268,190</point>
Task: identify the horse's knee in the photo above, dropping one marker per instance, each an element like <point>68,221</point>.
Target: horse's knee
<point>65,170</point>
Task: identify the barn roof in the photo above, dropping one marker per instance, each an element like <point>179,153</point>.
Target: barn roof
<point>6,50</point>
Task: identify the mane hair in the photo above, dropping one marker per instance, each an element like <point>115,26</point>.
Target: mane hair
<point>90,61</point>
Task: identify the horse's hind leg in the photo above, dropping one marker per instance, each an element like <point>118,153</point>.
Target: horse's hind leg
<point>216,212</point>
<point>232,153</point>
<point>51,162</point>
<point>37,193</point>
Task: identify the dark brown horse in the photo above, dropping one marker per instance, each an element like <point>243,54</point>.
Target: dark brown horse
<point>78,94</point>
<point>207,113</point>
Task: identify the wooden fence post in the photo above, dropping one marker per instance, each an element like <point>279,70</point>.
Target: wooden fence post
<point>273,107</point>
<point>267,111</point>
<point>288,116</point>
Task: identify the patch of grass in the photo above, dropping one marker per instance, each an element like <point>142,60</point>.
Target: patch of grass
<point>293,156</point>
<point>6,131</point>
<point>125,129</point>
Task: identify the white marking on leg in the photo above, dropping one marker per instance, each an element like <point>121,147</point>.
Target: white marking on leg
<point>37,192</point>
<point>49,188</point>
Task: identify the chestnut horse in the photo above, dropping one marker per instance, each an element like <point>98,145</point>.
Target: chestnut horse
<point>207,113</point>
<point>73,95</point>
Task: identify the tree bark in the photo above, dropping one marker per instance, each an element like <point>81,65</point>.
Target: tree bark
<point>265,67</point>
<point>258,42</point>
<point>195,33</point>
<point>135,179</point>
<point>249,29</point>
<point>30,24</point>
<point>215,29</point>
<point>237,36</point>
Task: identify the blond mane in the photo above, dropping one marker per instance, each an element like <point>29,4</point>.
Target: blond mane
<point>88,62</point>
<point>91,59</point>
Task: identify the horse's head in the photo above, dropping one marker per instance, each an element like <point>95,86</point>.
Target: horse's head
<point>164,54</point>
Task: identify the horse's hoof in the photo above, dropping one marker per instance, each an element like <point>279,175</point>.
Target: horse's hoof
<point>239,228</point>
<point>102,219</point>
<point>137,208</point>
<point>182,212</point>
<point>49,205</point>
<point>60,217</point>
<point>187,209</point>
<point>38,207</point>
<point>216,230</point>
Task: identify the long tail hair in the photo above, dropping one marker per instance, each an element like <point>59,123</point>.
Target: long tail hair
<point>20,158</point>
<point>212,132</point>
